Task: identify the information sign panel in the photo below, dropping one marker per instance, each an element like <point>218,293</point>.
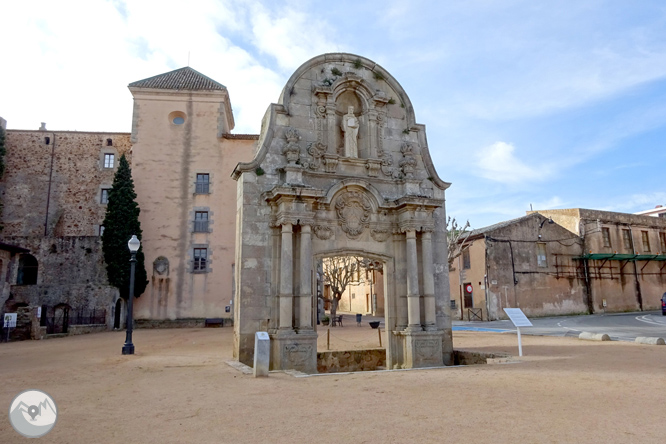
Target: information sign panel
<point>10,320</point>
<point>517,317</point>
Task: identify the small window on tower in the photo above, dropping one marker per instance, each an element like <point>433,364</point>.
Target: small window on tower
<point>104,197</point>
<point>109,142</point>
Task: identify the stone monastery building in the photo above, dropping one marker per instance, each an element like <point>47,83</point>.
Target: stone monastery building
<point>233,225</point>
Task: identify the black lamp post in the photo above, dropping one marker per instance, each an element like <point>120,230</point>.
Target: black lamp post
<point>133,244</point>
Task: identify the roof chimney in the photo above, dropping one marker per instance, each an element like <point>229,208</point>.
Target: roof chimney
<point>43,127</point>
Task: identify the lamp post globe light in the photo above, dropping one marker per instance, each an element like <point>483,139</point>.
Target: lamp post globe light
<point>133,244</point>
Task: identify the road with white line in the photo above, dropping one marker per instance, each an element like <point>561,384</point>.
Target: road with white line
<point>619,326</point>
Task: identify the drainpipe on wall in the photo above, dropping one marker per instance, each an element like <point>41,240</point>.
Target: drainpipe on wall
<point>588,287</point>
<point>639,295</point>
<point>48,193</point>
<point>486,281</point>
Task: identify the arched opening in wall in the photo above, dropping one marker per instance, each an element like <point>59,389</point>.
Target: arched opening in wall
<point>59,322</point>
<point>27,270</point>
<point>117,314</point>
<point>353,290</point>
<point>42,318</point>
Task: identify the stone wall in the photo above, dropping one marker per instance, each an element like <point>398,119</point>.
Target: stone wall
<point>351,360</point>
<point>62,171</point>
<point>71,271</point>
<point>64,260</point>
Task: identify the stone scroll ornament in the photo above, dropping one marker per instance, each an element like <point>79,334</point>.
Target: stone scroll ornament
<point>354,210</point>
<point>316,150</point>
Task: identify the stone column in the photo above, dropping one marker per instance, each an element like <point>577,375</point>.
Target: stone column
<point>305,313</point>
<point>428,280</point>
<point>413,306</point>
<point>286,277</point>
<point>372,123</point>
<point>331,126</point>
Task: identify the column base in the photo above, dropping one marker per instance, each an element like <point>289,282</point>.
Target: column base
<point>422,348</point>
<point>294,351</point>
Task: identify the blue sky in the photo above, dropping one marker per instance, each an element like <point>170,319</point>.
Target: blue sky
<point>553,104</point>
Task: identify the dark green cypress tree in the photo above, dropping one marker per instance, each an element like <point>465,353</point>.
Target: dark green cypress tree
<point>120,223</point>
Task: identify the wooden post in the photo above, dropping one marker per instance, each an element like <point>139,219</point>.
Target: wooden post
<point>379,330</point>
<point>328,339</point>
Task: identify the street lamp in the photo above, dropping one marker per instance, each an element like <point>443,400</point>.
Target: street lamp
<point>133,244</point>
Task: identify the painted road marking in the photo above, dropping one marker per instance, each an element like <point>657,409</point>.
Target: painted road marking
<point>645,319</point>
<point>492,330</point>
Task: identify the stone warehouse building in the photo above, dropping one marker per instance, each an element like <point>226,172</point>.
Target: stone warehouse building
<point>340,167</point>
<point>558,262</point>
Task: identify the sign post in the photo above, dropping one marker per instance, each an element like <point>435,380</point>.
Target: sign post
<point>519,320</point>
<point>10,321</point>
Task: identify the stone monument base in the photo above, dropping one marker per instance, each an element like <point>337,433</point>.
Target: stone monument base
<point>422,348</point>
<point>294,351</point>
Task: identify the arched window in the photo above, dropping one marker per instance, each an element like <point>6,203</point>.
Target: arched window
<point>27,271</point>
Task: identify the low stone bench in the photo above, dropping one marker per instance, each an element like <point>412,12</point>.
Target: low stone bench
<point>214,322</point>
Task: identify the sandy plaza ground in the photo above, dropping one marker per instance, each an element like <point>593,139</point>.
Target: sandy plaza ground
<point>178,388</point>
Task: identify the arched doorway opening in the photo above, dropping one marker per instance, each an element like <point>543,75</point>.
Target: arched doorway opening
<point>352,284</point>
<point>59,322</point>
<point>117,314</point>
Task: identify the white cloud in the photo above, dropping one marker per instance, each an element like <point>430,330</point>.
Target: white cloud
<point>288,34</point>
<point>498,162</point>
<point>71,62</point>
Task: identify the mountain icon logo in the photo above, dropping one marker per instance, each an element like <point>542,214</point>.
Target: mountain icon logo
<point>33,413</point>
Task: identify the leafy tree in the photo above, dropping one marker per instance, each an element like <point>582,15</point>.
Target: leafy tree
<point>457,239</point>
<point>120,223</point>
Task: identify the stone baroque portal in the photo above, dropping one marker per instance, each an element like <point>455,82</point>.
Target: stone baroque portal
<point>341,167</point>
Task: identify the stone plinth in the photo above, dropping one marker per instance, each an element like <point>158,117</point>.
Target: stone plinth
<point>294,351</point>
<point>422,348</point>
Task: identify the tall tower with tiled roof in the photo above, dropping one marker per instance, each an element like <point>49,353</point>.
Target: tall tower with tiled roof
<point>182,157</point>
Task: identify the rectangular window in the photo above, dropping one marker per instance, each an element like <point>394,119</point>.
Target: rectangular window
<point>104,198</point>
<point>200,257</point>
<point>662,242</point>
<point>467,263</point>
<point>626,237</point>
<point>541,255</point>
<point>605,232</point>
<point>109,160</point>
<point>202,184</point>
<point>646,241</point>
<point>201,222</point>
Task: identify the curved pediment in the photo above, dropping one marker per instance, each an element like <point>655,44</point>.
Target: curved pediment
<point>353,119</point>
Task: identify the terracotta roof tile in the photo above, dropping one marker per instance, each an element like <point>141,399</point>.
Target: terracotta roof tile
<point>180,79</point>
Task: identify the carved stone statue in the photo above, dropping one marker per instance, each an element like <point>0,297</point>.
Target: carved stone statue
<point>350,126</point>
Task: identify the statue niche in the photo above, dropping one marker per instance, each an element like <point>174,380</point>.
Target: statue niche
<point>349,108</point>
<point>350,127</point>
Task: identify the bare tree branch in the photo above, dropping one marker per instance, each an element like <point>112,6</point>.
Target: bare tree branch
<point>457,238</point>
